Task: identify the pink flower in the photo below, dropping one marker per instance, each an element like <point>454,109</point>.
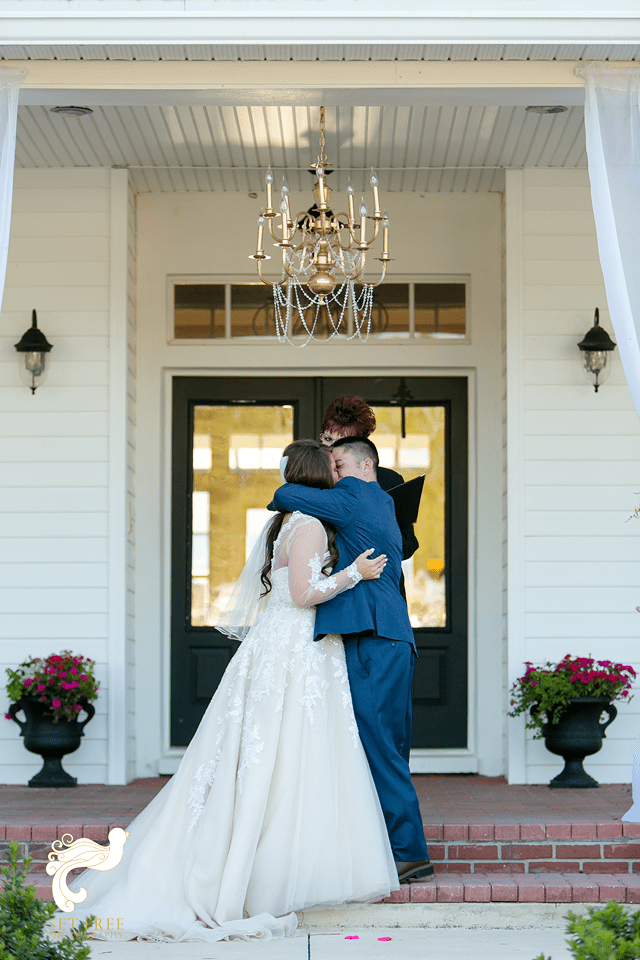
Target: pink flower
<point>7,716</point>
<point>62,673</point>
<point>625,693</point>
<point>73,670</point>
<point>40,687</point>
<point>28,681</point>
<point>72,685</point>
<point>533,683</point>
<point>56,703</point>
<point>77,706</point>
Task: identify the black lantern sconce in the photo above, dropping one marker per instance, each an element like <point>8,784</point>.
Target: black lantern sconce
<point>596,347</point>
<point>34,354</point>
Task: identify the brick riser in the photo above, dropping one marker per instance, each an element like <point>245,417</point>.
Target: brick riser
<point>526,848</point>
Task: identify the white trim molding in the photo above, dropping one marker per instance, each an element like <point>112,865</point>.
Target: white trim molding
<point>337,21</point>
<point>118,512</point>
<point>514,242</point>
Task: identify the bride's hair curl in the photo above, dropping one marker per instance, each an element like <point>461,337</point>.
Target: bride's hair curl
<point>309,463</point>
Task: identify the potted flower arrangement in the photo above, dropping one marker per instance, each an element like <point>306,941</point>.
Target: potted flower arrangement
<point>51,693</point>
<point>565,702</point>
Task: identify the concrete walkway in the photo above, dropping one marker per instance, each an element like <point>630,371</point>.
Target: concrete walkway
<point>433,944</point>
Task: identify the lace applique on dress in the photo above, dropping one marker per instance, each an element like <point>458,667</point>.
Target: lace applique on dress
<point>318,580</point>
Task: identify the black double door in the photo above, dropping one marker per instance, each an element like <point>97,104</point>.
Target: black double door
<point>227,436</point>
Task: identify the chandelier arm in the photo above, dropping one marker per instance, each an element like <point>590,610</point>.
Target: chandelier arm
<point>271,231</point>
<point>269,283</point>
<point>382,276</point>
<point>286,266</point>
<point>356,276</point>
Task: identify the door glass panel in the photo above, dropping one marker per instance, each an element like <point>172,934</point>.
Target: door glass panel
<point>422,450</point>
<point>236,458</point>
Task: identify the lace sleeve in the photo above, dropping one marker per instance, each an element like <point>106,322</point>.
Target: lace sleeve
<point>307,584</point>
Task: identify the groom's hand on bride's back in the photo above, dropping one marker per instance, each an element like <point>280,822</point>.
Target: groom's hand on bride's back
<point>368,567</point>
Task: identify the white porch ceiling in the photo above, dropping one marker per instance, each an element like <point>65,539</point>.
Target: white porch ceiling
<point>307,52</point>
<point>223,148</point>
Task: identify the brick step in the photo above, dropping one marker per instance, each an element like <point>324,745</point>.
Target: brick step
<point>494,888</point>
<point>521,888</point>
<point>598,846</point>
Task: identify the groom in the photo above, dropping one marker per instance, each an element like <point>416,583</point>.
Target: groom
<point>379,644</point>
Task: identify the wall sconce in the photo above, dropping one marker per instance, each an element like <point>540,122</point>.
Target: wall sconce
<point>33,349</point>
<point>596,347</point>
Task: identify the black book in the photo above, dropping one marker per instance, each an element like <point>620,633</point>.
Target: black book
<point>406,497</point>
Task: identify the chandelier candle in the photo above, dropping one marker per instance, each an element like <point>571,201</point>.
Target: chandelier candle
<point>323,258</point>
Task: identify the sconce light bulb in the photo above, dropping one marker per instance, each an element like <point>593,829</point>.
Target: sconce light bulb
<point>319,171</point>
<point>385,219</point>
<point>363,207</point>
<point>350,189</point>
<point>34,362</point>
<point>283,205</point>
<point>284,189</point>
<point>269,175</point>
<point>374,179</point>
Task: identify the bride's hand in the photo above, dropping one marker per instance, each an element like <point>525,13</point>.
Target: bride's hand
<point>370,569</point>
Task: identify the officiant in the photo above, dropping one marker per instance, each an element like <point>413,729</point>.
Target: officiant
<point>353,417</point>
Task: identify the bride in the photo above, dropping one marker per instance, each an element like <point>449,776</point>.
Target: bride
<point>273,808</point>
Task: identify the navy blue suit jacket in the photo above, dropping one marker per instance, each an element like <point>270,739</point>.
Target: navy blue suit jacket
<point>364,516</point>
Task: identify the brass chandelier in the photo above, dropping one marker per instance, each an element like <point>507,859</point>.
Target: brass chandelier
<point>323,257</point>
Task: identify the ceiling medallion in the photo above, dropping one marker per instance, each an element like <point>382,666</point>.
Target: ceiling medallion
<point>323,258</point>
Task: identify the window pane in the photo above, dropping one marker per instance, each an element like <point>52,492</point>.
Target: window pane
<point>421,451</point>
<point>252,310</point>
<point>440,309</point>
<point>390,315</point>
<point>236,460</point>
<point>198,310</point>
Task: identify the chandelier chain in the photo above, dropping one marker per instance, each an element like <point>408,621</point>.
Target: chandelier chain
<point>322,157</point>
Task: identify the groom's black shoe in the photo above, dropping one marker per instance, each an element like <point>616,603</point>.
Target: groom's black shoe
<point>413,870</point>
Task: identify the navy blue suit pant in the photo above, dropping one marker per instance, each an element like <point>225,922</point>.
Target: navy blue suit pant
<point>380,675</point>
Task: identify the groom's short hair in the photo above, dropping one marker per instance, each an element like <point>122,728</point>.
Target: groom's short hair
<point>360,447</point>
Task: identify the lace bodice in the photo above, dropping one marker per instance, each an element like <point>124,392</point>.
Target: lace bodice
<point>299,554</point>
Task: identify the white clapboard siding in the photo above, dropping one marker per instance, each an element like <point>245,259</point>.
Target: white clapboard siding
<point>54,445</point>
<point>581,464</point>
<point>581,574</point>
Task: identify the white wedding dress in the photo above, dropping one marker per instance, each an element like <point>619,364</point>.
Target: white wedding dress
<point>273,808</point>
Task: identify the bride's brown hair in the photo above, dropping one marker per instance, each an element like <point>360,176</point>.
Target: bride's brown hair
<point>309,463</point>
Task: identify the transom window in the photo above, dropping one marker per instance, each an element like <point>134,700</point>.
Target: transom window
<point>420,309</point>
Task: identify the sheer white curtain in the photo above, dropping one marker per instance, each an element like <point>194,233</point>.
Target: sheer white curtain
<point>612,122</point>
<point>10,81</point>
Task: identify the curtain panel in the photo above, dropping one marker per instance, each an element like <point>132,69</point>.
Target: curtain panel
<point>10,81</point>
<point>612,124</point>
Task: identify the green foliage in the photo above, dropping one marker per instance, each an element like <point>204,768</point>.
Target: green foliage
<point>60,681</point>
<point>604,934</point>
<point>23,918</point>
<point>545,691</point>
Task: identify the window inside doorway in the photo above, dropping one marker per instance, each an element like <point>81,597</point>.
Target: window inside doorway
<point>414,310</point>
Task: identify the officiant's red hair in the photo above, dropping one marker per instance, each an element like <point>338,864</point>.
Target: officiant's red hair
<point>349,417</point>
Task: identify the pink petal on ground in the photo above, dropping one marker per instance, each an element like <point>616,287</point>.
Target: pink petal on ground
<point>385,938</point>
<point>356,937</point>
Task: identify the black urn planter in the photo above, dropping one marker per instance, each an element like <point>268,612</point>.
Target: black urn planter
<point>50,739</point>
<point>577,734</point>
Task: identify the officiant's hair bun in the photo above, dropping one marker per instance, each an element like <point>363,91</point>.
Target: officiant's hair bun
<point>308,463</point>
<point>350,417</point>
